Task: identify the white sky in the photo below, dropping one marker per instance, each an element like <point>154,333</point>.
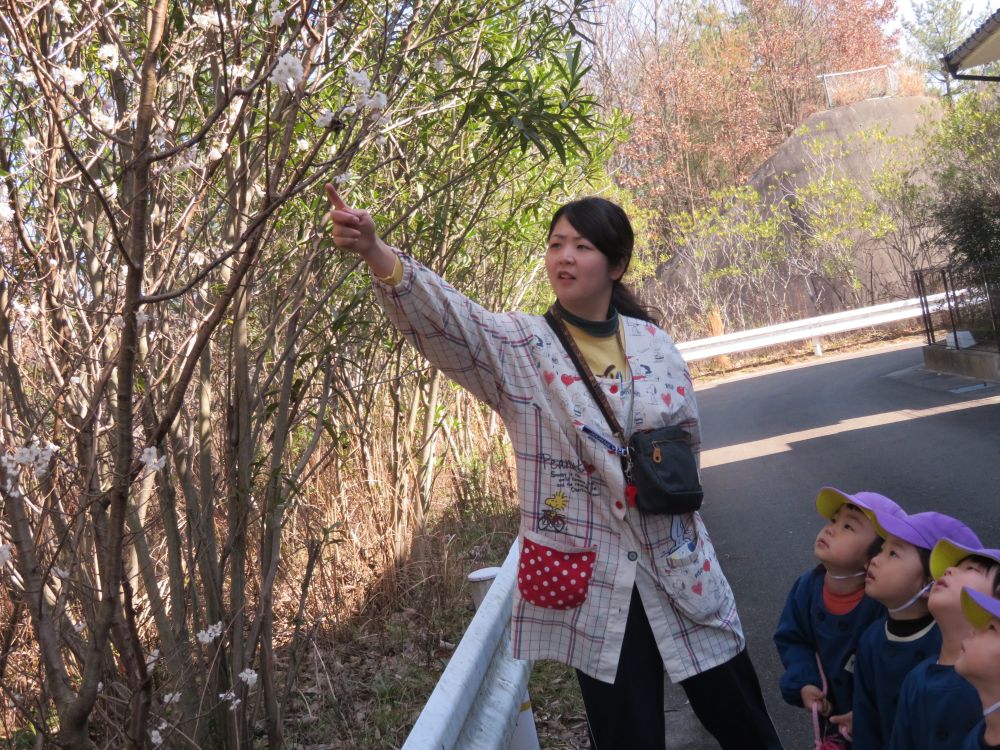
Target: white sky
<point>980,9</point>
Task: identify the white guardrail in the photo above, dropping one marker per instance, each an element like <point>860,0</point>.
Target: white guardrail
<point>482,693</point>
<point>481,699</point>
<point>810,328</point>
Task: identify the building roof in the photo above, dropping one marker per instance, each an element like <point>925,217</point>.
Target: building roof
<point>982,48</point>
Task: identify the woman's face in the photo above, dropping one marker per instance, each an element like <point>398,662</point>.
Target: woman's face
<point>579,273</point>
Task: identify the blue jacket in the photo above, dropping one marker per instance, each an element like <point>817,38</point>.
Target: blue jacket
<point>937,709</point>
<point>806,628</point>
<point>881,665</point>
<point>975,739</point>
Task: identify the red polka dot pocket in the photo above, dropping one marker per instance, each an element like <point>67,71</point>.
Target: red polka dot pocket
<point>554,575</point>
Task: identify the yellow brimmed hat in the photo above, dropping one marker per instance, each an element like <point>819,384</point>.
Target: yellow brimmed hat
<point>947,554</point>
<point>979,608</point>
<point>830,499</point>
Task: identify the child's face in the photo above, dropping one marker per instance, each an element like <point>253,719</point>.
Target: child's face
<point>979,659</point>
<point>895,574</point>
<point>842,545</point>
<point>946,594</point>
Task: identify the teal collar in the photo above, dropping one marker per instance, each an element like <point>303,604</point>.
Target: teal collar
<point>596,328</point>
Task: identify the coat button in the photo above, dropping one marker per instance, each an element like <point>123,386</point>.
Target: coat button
<point>619,504</point>
<point>632,556</point>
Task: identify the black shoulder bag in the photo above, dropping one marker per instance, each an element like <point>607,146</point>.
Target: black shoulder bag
<point>659,465</point>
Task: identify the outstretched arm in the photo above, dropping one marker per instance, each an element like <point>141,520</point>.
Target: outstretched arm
<point>354,231</point>
<point>468,343</point>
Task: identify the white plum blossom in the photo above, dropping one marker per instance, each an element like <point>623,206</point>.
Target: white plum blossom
<point>206,21</point>
<point>36,455</point>
<point>4,554</point>
<point>238,71</point>
<point>230,696</point>
<point>343,178</point>
<point>153,657</point>
<point>26,78</point>
<point>349,110</point>
<point>287,72</point>
<point>150,460</point>
<point>187,69</point>
<point>169,698</point>
<point>108,56</point>
<point>155,737</point>
<point>198,258</point>
<point>141,319</point>
<point>325,119</point>
<point>277,18</point>
<point>79,627</point>
<point>34,309</point>
<point>375,102</point>
<point>6,210</point>
<point>32,146</point>
<point>248,676</point>
<point>103,121</point>
<point>359,79</point>
<point>301,145</point>
<point>59,8</point>
<point>210,633</point>
<point>214,154</point>
<point>117,321</point>
<point>61,573</point>
<point>71,76</point>
<point>440,65</point>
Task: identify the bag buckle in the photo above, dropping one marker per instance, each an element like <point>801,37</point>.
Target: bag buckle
<point>657,454</point>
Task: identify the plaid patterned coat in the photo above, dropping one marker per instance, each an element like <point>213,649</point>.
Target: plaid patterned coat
<point>583,547</point>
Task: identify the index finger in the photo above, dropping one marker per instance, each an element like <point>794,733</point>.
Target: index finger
<point>334,197</point>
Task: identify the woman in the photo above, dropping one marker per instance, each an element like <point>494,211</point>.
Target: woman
<point>621,596</point>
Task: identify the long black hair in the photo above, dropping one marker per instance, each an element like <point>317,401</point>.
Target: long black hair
<point>606,226</point>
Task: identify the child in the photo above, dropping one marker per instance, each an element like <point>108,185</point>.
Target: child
<point>979,663</point>
<point>827,609</point>
<point>899,577</point>
<point>937,707</point>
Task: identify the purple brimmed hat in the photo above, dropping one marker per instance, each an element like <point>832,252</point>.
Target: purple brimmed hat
<point>926,529</point>
<point>979,608</point>
<point>947,554</point>
<point>874,505</point>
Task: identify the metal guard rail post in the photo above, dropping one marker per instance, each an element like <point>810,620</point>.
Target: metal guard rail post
<point>477,701</point>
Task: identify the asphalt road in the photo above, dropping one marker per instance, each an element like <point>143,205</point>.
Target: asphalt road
<point>868,421</point>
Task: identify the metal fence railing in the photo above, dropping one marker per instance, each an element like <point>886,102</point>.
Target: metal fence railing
<point>970,315</point>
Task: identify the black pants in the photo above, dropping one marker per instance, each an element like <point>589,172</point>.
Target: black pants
<point>629,714</point>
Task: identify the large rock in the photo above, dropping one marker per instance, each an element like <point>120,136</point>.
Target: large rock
<point>793,164</point>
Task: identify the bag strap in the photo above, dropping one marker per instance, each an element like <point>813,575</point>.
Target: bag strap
<point>566,339</point>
